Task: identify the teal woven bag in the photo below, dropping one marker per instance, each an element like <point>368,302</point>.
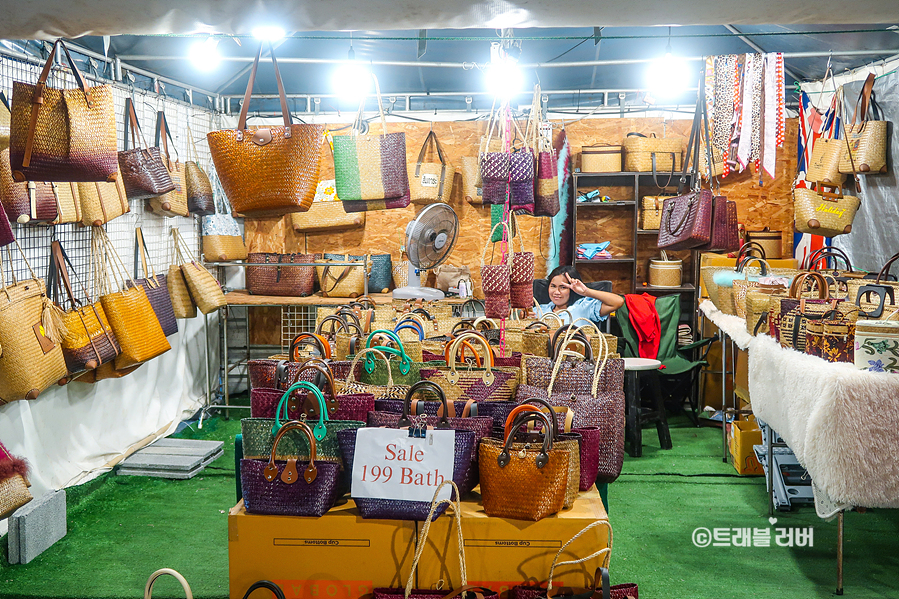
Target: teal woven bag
<point>381,274</point>
<point>259,433</point>
<point>377,372</point>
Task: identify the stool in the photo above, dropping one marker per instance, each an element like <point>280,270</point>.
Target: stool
<point>635,416</point>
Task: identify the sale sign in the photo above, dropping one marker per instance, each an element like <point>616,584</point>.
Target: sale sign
<point>389,464</point>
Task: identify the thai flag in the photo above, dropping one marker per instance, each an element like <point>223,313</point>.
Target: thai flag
<point>813,125</point>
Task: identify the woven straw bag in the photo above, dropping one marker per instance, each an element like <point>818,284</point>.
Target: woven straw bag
<point>335,280</point>
<point>741,289</point>
<point>665,272</point>
<point>222,239</point>
<point>57,134</point>
<point>267,171</point>
<point>88,340</point>
<point>602,158</point>
<point>431,182</point>
<point>652,154</point>
<point>865,149</point>
<point>4,121</point>
<point>496,281</point>
<point>144,172</point>
<point>102,202</point>
<point>651,212</point>
<point>200,199</point>
<point>521,275</point>
<point>326,213</point>
<point>824,165</point>
<point>126,305</point>
<point>182,304</point>
<point>293,281</point>
<point>14,491</point>
<point>479,384</point>
<point>370,170</point>
<point>26,202</point>
<point>68,203</point>
<point>31,358</point>
<point>173,203</point>
<point>155,286</point>
<point>758,304</point>
<point>205,290</point>
<point>826,213</point>
<point>470,177</point>
<point>388,391</point>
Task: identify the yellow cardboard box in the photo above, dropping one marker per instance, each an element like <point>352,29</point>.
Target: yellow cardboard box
<point>743,435</point>
<point>503,553</point>
<point>337,556</point>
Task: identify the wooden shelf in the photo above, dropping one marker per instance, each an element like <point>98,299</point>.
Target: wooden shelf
<point>605,261</point>
<point>680,289</point>
<point>614,204</point>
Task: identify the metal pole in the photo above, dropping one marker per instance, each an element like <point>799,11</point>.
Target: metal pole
<point>723,338</point>
<point>758,48</point>
<point>227,367</point>
<point>840,553</point>
<point>770,469</point>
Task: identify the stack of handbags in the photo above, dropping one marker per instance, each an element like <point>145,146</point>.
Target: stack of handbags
<point>267,171</point>
<point>370,170</point>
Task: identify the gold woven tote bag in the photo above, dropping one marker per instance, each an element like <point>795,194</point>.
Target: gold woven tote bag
<point>431,182</point>
<point>824,165</point>
<point>866,140</point>
<point>205,290</point>
<point>31,359</point>
<point>326,212</point>
<point>341,281</point>
<point>267,171</point>
<point>825,212</point>
<point>102,202</point>
<point>127,308</point>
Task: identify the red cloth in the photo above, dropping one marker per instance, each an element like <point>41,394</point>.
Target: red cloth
<point>641,310</point>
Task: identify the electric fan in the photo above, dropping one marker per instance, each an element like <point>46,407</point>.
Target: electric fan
<point>429,241</point>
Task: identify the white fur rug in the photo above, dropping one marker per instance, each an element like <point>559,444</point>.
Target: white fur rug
<point>842,423</point>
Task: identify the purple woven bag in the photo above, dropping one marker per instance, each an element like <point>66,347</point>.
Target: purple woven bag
<point>6,235</point>
<point>289,488</point>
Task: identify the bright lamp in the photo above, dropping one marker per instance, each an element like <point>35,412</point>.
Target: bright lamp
<point>205,54</point>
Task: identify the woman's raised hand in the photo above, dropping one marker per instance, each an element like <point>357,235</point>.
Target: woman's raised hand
<point>575,285</point>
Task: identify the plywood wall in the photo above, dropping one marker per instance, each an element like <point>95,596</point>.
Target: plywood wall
<point>758,206</point>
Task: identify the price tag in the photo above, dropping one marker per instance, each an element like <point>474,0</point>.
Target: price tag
<point>429,180</point>
<point>388,464</point>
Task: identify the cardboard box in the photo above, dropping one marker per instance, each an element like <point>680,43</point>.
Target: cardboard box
<point>743,435</point>
<point>337,556</point>
<point>503,553</point>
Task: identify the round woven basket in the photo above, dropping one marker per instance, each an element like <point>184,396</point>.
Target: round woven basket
<point>665,272</point>
<point>770,242</point>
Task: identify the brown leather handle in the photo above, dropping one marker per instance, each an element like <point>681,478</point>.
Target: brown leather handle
<point>750,245</point>
<point>298,341</point>
<point>886,268</point>
<point>340,326</point>
<point>864,98</point>
<point>245,107</point>
<point>799,282</point>
<point>289,475</point>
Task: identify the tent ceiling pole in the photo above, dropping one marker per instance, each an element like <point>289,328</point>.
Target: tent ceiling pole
<point>758,49</point>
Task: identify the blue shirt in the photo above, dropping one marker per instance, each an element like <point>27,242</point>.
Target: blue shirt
<point>586,307</point>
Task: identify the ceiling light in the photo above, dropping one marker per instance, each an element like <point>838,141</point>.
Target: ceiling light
<point>351,82</point>
<point>205,54</point>
<point>669,75</point>
<point>504,79</point>
<point>269,33</point>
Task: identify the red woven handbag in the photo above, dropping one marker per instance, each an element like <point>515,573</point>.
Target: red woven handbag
<point>496,281</point>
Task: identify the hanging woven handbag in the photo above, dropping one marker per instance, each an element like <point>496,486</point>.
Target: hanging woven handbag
<point>527,484</point>
<point>823,212</point>
<point>389,390</point>
<point>205,290</point>
<point>496,282</point>
<point>865,149</point>
<point>62,134</point>
<point>326,212</point>
<point>24,203</point>
<point>824,165</point>
<point>370,170</point>
<point>126,306</point>
<point>521,277</point>
<point>200,199</point>
<point>143,171</point>
<point>173,203</point>
<point>269,170</point>
<point>222,239</point>
<point>155,286</point>
<point>276,487</point>
<point>431,182</point>
<point>405,370</point>
<point>88,341</point>
<point>293,281</point>
<point>31,358</point>
<point>725,235</point>
<point>102,202</point>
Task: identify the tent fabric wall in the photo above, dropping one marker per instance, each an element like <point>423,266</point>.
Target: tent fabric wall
<point>873,239</point>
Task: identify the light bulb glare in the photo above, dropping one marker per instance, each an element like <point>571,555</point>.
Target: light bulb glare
<point>351,82</point>
<point>504,79</point>
<point>205,55</point>
<point>269,33</point>
<point>668,76</point>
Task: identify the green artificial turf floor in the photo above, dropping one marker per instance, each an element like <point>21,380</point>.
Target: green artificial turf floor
<point>120,529</point>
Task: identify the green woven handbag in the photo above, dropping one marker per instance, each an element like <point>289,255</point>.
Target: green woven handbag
<point>377,372</point>
<point>259,433</point>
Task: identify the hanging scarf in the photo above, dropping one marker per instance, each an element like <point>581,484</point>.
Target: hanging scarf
<point>773,111</point>
<point>747,112</point>
<point>722,98</point>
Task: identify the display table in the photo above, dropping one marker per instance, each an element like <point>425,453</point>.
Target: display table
<point>342,556</point>
<point>242,297</point>
<point>841,422</point>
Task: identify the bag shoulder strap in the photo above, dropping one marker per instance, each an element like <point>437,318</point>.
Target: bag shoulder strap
<point>136,133</point>
<point>164,134</point>
<point>244,110</point>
